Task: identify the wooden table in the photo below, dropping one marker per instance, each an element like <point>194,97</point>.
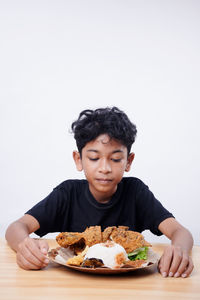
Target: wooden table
<point>58,282</point>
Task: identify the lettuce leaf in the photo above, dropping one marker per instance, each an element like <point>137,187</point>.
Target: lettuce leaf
<point>140,254</point>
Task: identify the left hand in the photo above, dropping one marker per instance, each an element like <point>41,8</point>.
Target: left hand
<point>175,262</point>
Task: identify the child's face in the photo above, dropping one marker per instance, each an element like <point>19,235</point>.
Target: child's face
<point>103,161</point>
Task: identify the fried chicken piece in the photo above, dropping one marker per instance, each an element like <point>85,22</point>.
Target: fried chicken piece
<point>65,239</point>
<point>123,227</point>
<point>92,235</point>
<point>78,247</point>
<point>128,239</point>
<point>107,233</point>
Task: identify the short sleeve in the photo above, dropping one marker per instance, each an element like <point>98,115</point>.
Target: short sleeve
<point>150,212</point>
<point>49,212</point>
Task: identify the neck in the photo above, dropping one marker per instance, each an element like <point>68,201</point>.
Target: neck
<point>106,200</point>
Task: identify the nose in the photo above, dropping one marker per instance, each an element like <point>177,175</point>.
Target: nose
<point>104,166</point>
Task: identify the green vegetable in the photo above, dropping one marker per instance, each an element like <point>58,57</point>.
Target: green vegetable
<point>140,253</point>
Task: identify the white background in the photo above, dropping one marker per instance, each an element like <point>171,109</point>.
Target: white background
<point>59,57</point>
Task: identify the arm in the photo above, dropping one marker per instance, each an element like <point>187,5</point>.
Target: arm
<point>175,260</point>
<point>30,253</point>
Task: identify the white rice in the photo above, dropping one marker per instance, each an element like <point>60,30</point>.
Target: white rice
<point>109,253</point>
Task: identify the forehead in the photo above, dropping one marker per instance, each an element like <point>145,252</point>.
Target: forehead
<point>104,141</point>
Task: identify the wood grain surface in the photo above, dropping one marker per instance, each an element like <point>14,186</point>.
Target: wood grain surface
<point>58,282</point>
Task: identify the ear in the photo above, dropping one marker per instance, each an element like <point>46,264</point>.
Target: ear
<point>129,161</point>
<point>77,160</point>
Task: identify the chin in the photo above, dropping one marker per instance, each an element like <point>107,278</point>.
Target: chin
<point>106,190</point>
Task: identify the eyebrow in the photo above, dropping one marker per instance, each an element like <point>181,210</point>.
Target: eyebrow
<point>96,151</point>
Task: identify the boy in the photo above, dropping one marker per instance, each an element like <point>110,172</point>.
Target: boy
<point>104,138</point>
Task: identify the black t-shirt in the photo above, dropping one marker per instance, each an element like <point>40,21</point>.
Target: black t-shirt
<point>71,207</point>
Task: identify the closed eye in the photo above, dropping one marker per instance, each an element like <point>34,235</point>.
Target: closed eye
<point>116,160</point>
<point>93,159</point>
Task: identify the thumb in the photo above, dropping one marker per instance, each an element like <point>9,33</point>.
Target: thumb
<point>44,247</point>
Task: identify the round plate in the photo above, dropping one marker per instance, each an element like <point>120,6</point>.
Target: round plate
<point>61,255</point>
<point>104,270</point>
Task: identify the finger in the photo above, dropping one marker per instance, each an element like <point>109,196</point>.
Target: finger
<point>34,248</point>
<point>44,247</point>
<point>183,265</point>
<point>188,269</point>
<point>160,265</point>
<point>29,257</point>
<point>166,261</point>
<point>177,261</point>
<point>29,249</point>
<point>25,264</point>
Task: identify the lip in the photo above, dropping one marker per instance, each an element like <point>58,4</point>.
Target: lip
<point>103,180</point>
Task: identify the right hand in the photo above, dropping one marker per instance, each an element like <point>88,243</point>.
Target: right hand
<point>32,254</point>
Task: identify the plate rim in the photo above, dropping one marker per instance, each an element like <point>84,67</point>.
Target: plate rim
<point>102,270</point>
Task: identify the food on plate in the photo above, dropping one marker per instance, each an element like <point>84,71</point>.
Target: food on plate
<point>92,263</point>
<point>130,240</point>
<point>111,254</point>
<point>77,260</point>
<point>115,247</point>
<point>79,240</point>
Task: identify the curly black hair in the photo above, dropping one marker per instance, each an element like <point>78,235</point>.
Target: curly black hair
<point>112,121</point>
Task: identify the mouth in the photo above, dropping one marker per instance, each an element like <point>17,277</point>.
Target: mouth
<point>103,180</point>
